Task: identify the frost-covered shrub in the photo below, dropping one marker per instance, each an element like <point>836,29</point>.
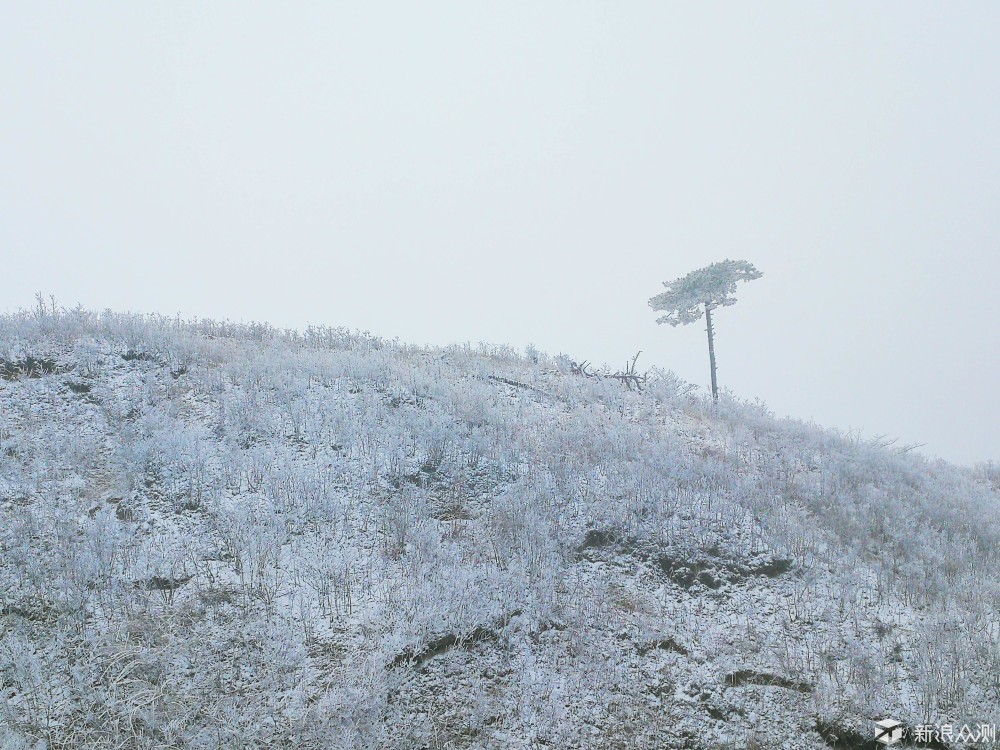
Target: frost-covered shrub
<point>317,539</point>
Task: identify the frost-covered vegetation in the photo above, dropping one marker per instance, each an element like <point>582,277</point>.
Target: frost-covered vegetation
<point>219,535</point>
<point>703,290</point>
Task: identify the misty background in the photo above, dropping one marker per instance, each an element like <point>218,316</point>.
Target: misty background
<point>530,173</point>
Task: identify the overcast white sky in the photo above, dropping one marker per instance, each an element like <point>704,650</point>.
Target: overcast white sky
<point>530,172</point>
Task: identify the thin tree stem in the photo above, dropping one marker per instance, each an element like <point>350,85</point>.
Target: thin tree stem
<point>711,351</point>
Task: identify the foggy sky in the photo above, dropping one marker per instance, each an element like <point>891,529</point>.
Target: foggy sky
<point>530,173</point>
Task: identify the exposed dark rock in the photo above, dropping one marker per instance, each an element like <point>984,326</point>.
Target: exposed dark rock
<point>749,677</point>
<point>451,509</point>
<point>709,567</point>
<point>158,583</point>
<point>436,647</point>
<point>708,579</point>
<point>716,713</point>
<point>598,538</point>
<point>424,476</point>
<point>29,367</point>
<point>551,625</point>
<point>685,573</point>
<point>842,738</point>
<point>125,512</point>
<point>774,568</point>
<point>36,613</point>
<point>440,645</point>
<point>664,644</point>
<point>396,401</point>
<point>133,356</point>
<point>187,503</point>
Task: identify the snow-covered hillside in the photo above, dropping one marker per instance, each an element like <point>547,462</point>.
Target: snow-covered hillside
<point>228,536</point>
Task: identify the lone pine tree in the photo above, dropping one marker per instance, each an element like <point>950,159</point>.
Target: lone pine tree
<point>709,287</point>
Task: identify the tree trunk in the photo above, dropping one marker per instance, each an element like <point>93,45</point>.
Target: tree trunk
<point>711,351</point>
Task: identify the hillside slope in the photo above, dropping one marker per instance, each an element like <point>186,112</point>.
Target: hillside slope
<point>218,535</point>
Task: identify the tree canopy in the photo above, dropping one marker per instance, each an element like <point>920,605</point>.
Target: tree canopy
<point>712,286</point>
